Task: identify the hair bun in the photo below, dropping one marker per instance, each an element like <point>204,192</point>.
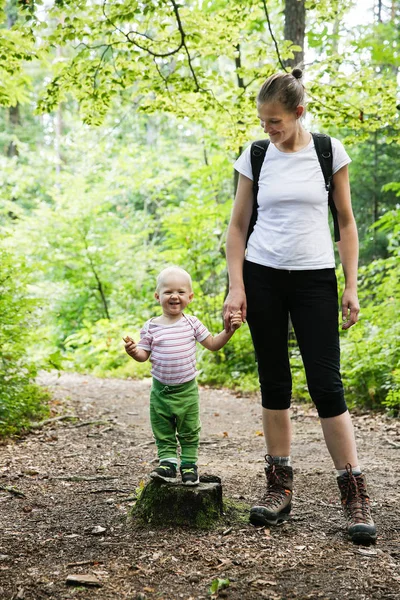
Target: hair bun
<point>297,73</point>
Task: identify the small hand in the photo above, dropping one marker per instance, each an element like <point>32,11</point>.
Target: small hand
<point>235,320</point>
<point>130,346</point>
<point>235,301</point>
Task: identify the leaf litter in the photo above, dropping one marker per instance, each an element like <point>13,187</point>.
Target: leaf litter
<point>54,496</point>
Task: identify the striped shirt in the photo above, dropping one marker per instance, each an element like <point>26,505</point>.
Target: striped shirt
<point>173,348</point>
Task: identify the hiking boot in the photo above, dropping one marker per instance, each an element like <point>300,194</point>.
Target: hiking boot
<point>166,471</point>
<point>189,474</point>
<point>276,504</point>
<point>356,507</point>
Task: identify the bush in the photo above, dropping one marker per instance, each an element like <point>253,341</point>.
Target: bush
<point>20,398</point>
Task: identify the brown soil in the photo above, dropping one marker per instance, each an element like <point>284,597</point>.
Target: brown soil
<point>51,528</point>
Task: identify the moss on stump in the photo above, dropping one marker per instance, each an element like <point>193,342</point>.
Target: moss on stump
<point>166,504</point>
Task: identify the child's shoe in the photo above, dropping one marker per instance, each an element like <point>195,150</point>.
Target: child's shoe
<point>189,474</point>
<point>166,471</point>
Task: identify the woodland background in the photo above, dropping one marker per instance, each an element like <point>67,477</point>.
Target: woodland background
<point>120,123</point>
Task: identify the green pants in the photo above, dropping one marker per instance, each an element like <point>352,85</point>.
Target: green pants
<point>175,417</point>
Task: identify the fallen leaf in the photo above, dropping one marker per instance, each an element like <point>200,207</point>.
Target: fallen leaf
<point>31,471</point>
<point>260,433</point>
<point>98,529</point>
<point>226,434</point>
<point>367,551</point>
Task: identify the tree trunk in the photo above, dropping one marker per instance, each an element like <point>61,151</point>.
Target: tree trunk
<point>13,111</point>
<point>58,128</point>
<point>295,24</point>
<point>376,187</point>
<point>379,11</point>
<point>14,120</point>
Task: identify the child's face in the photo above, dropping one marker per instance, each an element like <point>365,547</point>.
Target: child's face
<point>174,294</point>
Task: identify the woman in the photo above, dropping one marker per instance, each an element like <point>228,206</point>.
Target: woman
<point>288,269</point>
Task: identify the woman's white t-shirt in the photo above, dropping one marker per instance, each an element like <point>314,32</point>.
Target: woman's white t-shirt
<point>292,229</point>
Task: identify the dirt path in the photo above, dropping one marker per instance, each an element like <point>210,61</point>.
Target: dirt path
<point>51,528</point>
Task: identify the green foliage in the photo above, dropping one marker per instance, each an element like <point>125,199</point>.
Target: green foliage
<point>370,352</point>
<point>20,399</point>
<point>217,585</point>
<point>97,211</point>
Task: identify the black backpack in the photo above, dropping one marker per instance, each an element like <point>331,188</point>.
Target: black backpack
<point>323,148</point>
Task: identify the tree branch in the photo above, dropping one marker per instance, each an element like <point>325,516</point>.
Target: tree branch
<point>273,37</point>
<point>130,40</point>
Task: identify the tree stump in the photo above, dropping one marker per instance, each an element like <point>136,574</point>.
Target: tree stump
<point>165,504</point>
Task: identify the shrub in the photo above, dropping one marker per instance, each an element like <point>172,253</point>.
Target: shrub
<point>20,398</point>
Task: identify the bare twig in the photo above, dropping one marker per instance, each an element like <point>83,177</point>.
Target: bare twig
<point>81,563</point>
<point>78,478</point>
<point>106,429</point>
<point>391,443</point>
<point>41,424</point>
<point>110,490</point>
<point>84,423</point>
<point>12,490</point>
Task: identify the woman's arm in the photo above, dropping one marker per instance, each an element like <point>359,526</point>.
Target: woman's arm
<point>235,247</point>
<point>348,246</point>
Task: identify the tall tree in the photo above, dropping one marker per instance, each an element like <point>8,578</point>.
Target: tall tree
<point>14,118</point>
<point>295,26</point>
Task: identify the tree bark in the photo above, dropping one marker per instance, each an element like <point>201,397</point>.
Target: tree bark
<point>14,120</point>
<point>13,111</point>
<point>295,24</point>
<point>379,11</point>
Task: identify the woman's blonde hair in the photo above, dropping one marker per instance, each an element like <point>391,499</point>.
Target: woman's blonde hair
<point>285,88</point>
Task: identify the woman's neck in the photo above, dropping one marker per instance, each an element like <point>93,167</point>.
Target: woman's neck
<point>298,141</point>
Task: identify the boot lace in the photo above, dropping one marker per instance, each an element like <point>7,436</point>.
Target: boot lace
<point>355,497</point>
<point>276,489</point>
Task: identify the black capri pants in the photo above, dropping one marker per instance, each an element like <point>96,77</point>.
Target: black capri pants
<point>311,299</point>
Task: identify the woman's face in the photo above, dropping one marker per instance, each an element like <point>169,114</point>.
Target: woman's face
<point>280,124</point>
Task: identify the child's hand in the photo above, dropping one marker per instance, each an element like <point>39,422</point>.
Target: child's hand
<point>236,320</point>
<point>130,346</point>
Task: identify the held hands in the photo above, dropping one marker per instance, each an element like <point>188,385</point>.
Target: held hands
<point>235,320</point>
<point>350,308</point>
<point>235,303</point>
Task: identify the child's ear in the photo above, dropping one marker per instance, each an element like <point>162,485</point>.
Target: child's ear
<point>157,296</point>
<point>191,296</point>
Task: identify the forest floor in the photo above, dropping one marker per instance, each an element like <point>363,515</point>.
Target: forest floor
<point>54,525</point>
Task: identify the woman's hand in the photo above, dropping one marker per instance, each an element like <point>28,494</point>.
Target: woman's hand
<point>235,302</point>
<point>350,308</point>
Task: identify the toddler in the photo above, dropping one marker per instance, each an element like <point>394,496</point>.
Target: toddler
<point>170,342</point>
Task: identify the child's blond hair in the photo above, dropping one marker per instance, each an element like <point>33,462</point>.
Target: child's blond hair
<point>169,270</point>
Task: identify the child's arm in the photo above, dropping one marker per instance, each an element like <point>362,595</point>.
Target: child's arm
<point>216,342</point>
<point>137,353</point>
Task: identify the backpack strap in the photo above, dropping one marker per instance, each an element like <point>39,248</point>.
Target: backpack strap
<point>323,148</point>
<point>257,155</point>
